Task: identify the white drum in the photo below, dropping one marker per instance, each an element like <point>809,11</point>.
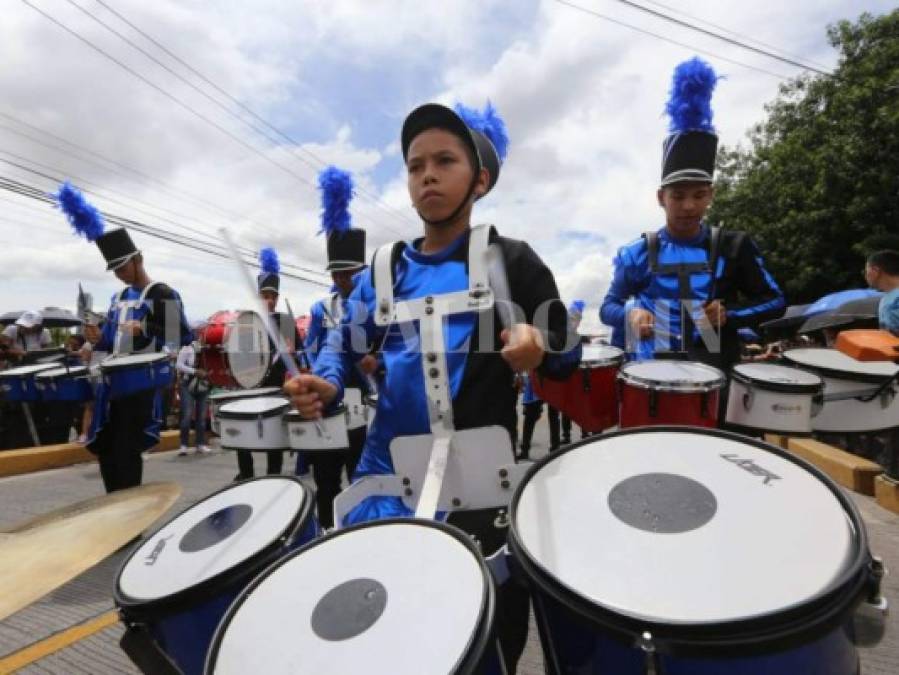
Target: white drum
<point>689,542</point>
<point>330,433</point>
<point>847,385</point>
<point>254,424</point>
<point>403,597</point>
<point>220,398</point>
<point>769,397</point>
<point>357,410</point>
<point>175,586</point>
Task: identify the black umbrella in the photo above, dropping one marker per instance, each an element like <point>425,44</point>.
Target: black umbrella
<point>854,311</point>
<point>793,316</point>
<point>54,317</point>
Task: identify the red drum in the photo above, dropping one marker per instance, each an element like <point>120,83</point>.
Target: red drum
<point>235,349</point>
<point>588,396</point>
<point>669,392</point>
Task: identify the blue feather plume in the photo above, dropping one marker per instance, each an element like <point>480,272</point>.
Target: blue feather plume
<point>337,191</point>
<point>489,123</point>
<point>577,307</point>
<point>689,101</point>
<point>84,217</point>
<point>268,261</point>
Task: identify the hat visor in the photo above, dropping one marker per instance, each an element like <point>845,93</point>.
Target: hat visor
<point>344,266</point>
<point>434,116</point>
<point>686,176</point>
<point>113,265</point>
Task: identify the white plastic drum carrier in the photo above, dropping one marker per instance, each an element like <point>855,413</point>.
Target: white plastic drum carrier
<point>690,551</point>
<point>769,397</point>
<point>859,396</point>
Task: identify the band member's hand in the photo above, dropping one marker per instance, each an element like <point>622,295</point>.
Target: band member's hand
<point>131,328</point>
<point>715,313</point>
<point>524,348</point>
<point>310,394</point>
<point>368,364</point>
<point>641,322</point>
<point>199,372</point>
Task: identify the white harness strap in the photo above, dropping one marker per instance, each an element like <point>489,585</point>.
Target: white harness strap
<point>123,306</point>
<point>333,312</point>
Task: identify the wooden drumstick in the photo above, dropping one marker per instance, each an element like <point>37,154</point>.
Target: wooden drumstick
<point>273,333</point>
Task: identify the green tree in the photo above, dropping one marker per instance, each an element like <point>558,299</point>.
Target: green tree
<point>818,186</point>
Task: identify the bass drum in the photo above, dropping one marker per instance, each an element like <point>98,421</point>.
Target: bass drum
<point>235,349</point>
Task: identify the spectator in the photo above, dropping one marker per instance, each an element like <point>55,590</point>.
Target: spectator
<point>882,273</point>
<point>193,392</point>
<point>27,334</point>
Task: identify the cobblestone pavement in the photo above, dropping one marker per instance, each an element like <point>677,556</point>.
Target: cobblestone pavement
<point>90,594</point>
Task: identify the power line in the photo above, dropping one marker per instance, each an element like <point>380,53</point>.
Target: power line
<point>664,38</point>
<point>718,36</point>
<point>732,32</point>
<point>176,100</point>
<point>294,144</point>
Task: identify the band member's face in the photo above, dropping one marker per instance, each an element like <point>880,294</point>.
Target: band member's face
<point>343,279</point>
<point>271,300</point>
<point>685,205</point>
<point>127,273</point>
<point>439,171</point>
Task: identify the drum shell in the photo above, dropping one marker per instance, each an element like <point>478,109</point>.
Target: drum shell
<point>303,434</point>
<point>216,401</point>
<point>751,406</point>
<point>641,406</point>
<point>214,357</point>
<point>22,386</point>
<point>852,415</point>
<point>588,396</point>
<point>182,626</point>
<point>264,431</point>
<point>124,380</point>
<point>73,387</point>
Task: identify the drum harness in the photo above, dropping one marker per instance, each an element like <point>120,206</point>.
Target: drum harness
<point>123,307</point>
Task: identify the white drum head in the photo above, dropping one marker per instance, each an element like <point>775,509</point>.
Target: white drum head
<point>211,537</point>
<point>771,373</point>
<point>832,359</point>
<point>262,405</point>
<point>28,371</point>
<point>683,527</point>
<point>399,598</point>
<point>226,396</point>
<point>672,375</point>
<point>74,371</point>
<point>600,355</point>
<point>248,351</point>
<point>132,360</point>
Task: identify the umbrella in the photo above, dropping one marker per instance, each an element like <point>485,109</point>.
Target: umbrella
<point>793,316</point>
<point>54,317</point>
<point>860,309</point>
<point>833,301</point>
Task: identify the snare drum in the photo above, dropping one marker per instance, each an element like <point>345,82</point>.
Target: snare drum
<point>174,588</point>
<point>669,392</point>
<point>254,424</point>
<point>588,396</point>
<point>19,384</point>
<point>689,552</point>
<point>329,433</point>
<point>65,384</point>
<point>400,596</point>
<point>220,398</point>
<point>235,349</point>
<point>844,376</point>
<point>769,397</point>
<point>132,373</point>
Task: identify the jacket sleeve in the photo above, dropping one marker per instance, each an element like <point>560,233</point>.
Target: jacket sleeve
<point>534,291</point>
<point>166,322</point>
<point>106,343</point>
<point>762,299</point>
<point>613,312</point>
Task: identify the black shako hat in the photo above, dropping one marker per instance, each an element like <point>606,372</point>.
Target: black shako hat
<point>116,247</point>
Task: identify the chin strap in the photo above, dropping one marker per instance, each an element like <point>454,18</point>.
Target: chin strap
<point>455,214</point>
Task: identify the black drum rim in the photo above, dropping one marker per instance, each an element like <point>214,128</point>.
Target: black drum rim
<point>274,411</point>
<point>761,634</point>
<point>136,610</point>
<point>482,634</point>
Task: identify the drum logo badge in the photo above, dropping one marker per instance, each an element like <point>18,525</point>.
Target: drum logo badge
<point>157,551</point>
<point>232,432</point>
<point>753,468</point>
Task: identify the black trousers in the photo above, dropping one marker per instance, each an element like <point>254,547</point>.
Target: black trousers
<point>513,600</point>
<point>245,468</point>
<point>327,469</point>
<point>532,412</point>
<point>121,441</point>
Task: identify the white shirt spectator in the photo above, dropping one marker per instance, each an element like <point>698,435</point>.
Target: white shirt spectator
<point>187,360</point>
<point>28,341</point>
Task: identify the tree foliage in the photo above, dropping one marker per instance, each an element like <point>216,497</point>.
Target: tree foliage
<point>818,187</point>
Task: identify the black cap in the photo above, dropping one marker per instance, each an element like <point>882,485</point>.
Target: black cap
<point>436,116</point>
<point>689,156</point>
<point>116,247</point>
<point>346,250</point>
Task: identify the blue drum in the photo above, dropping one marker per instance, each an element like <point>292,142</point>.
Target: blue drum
<point>175,587</point>
<point>65,384</point>
<point>132,373</point>
<point>399,596</point>
<point>18,384</point>
<point>686,551</point>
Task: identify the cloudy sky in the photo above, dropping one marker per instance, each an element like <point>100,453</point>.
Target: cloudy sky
<point>330,82</point>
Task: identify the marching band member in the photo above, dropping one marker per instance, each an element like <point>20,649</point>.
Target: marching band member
<point>145,316</point>
<point>452,159</point>
<point>694,285</point>
<point>346,258</point>
<point>268,281</point>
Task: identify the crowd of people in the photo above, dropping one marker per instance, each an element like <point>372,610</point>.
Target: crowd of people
<point>408,330</point>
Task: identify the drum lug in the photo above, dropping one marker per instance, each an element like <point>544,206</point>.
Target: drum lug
<point>654,403</point>
<point>869,620</point>
<point>585,378</point>
<point>748,401</point>
<point>817,404</point>
<point>704,404</point>
<point>886,397</point>
<point>647,644</point>
<point>259,425</point>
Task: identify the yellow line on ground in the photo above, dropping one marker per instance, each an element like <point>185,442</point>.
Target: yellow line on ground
<point>61,640</point>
